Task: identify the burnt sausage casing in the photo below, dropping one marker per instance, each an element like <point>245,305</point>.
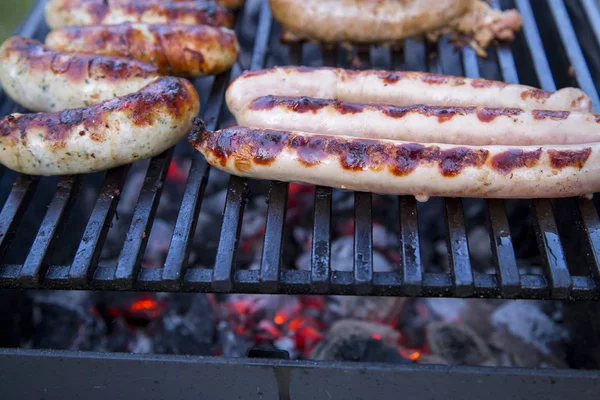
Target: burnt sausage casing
<point>397,88</point>
<point>107,12</point>
<point>422,123</point>
<point>182,50</point>
<point>102,136</point>
<point>403,168</point>
<point>41,79</point>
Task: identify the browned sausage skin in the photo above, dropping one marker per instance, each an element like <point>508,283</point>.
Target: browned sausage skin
<point>394,167</point>
<point>102,136</point>
<point>182,50</point>
<point>397,88</point>
<point>423,123</point>
<point>105,12</point>
<point>41,79</point>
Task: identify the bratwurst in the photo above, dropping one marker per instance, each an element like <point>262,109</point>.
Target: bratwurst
<point>403,168</point>
<point>397,88</point>
<point>41,79</point>
<point>182,50</point>
<point>422,123</point>
<point>365,21</point>
<point>109,12</point>
<point>102,136</point>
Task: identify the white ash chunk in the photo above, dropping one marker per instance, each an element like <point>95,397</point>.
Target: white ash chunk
<point>525,320</point>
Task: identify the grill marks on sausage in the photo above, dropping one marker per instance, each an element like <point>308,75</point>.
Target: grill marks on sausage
<point>547,114</point>
<point>505,162</point>
<point>560,159</point>
<point>140,107</point>
<point>388,77</point>
<point>485,114</point>
<point>536,94</point>
<point>262,147</point>
<point>443,114</point>
<point>76,67</point>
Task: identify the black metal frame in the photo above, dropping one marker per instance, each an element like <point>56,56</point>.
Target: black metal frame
<point>83,273</point>
<point>130,376</point>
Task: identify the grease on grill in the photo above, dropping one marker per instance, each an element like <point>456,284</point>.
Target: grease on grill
<point>560,159</point>
<point>555,115</point>
<point>510,159</point>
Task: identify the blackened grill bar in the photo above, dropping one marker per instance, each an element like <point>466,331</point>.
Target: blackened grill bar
<point>557,282</point>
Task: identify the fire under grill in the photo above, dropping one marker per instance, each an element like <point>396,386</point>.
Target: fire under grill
<point>549,53</point>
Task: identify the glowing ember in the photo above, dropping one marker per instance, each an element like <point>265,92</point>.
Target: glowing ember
<point>176,173</point>
<point>144,305</point>
<point>279,319</point>
<point>376,336</point>
<point>414,355</point>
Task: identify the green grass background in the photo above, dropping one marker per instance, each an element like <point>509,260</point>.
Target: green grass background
<point>12,12</point>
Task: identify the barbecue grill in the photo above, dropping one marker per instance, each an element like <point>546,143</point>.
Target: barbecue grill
<point>567,230</point>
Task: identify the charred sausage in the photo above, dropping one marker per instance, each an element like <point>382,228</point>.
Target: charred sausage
<point>422,123</point>
<point>397,88</point>
<point>403,168</point>
<point>40,79</point>
<point>107,12</point>
<point>182,50</point>
<point>102,136</point>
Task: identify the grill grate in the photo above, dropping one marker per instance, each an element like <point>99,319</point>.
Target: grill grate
<point>410,280</point>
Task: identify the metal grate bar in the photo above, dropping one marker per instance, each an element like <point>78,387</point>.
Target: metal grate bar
<point>363,242</point>
<point>536,48</point>
<point>185,226</point>
<point>591,224</point>
<point>551,250</point>
<point>263,33</point>
<point>321,240</point>
<point>502,249</point>
<point>50,229</point>
<point>458,249</point>
<point>548,237</point>
<point>136,239</point>
<point>571,44</point>
<point>95,232</point>
<point>273,243</point>
<point>237,193</point>
<point>410,246</point>
<point>272,277</point>
<point>593,13</point>
<point>14,209</point>
<point>469,59</point>
<point>33,21</point>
